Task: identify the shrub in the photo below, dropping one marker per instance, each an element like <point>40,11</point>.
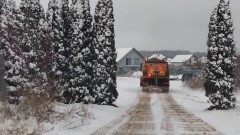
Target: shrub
<point>38,103</point>
<point>196,81</point>
<point>194,84</point>
<point>26,118</point>
<point>11,123</point>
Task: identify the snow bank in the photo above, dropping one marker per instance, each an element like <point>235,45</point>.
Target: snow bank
<point>175,77</point>
<point>225,121</point>
<point>128,93</point>
<point>137,74</point>
<point>99,116</point>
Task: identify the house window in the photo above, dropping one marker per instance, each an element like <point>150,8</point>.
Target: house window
<point>136,61</point>
<point>128,61</point>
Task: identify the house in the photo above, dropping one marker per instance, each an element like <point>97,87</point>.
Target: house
<point>128,59</point>
<point>3,92</point>
<point>183,60</point>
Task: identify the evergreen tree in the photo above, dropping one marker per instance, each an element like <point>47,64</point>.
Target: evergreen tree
<point>14,64</point>
<point>3,8</point>
<point>44,51</point>
<point>46,54</point>
<point>33,52</point>
<point>111,56</point>
<point>88,58</point>
<point>79,85</point>
<point>105,69</point>
<point>56,26</point>
<point>66,44</point>
<point>211,55</point>
<point>221,69</point>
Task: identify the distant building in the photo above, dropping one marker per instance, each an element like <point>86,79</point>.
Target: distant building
<point>183,60</point>
<point>169,60</point>
<point>128,59</point>
<point>3,92</point>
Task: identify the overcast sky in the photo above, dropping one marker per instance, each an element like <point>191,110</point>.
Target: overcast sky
<point>165,24</point>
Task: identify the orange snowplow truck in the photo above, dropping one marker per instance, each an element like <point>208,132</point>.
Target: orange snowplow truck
<point>155,76</point>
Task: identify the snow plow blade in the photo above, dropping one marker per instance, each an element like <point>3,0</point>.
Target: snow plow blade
<point>155,89</point>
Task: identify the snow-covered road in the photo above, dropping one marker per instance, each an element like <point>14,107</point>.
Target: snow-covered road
<point>159,114</point>
<point>182,111</point>
<point>178,120</point>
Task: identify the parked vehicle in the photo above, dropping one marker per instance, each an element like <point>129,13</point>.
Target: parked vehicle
<point>155,76</point>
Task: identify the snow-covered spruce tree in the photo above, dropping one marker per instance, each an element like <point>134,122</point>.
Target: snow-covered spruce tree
<point>46,55</point>
<point>44,52</point>
<point>211,55</point>
<point>104,43</point>
<point>55,24</point>
<point>3,8</point>
<point>14,63</point>
<point>88,58</point>
<point>111,49</point>
<point>79,85</point>
<point>33,52</point>
<point>223,62</point>
<point>64,81</point>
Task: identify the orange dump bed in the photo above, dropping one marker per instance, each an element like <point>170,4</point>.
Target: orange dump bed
<point>153,69</point>
<point>155,76</point>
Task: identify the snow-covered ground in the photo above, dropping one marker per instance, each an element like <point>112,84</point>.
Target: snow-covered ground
<point>137,74</point>
<point>194,101</point>
<point>175,77</point>
<point>86,119</point>
<point>225,121</point>
<point>158,113</point>
<point>99,116</point>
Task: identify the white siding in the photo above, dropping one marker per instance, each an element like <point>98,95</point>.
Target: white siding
<point>132,55</point>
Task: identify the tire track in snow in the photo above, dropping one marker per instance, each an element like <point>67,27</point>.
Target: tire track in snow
<point>113,125</point>
<point>141,121</point>
<point>175,119</point>
<point>178,121</point>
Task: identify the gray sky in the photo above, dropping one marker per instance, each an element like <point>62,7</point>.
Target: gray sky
<point>165,24</point>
